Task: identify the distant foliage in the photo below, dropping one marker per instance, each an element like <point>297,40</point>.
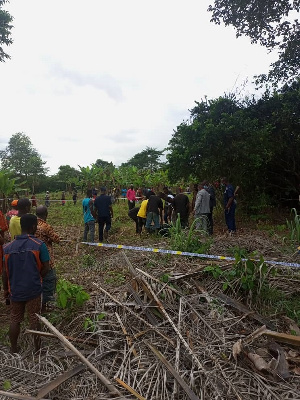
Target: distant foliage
<point>254,142</point>
<point>273,24</point>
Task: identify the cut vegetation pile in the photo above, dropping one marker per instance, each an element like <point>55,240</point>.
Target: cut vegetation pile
<point>161,327</point>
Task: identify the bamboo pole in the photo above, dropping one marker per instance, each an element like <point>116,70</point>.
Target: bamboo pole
<point>111,388</point>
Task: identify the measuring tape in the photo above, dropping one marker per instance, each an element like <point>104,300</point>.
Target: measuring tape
<point>183,253</point>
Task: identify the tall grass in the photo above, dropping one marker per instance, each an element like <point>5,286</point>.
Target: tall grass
<point>188,239</point>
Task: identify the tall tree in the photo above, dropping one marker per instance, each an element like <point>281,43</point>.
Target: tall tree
<point>5,30</point>
<point>146,159</point>
<point>21,157</point>
<point>255,142</point>
<point>102,163</point>
<point>270,23</point>
<point>69,176</point>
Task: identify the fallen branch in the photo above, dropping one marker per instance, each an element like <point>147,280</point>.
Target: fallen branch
<point>133,313</point>
<point>59,380</point>
<point>172,370</point>
<point>17,396</point>
<point>71,338</point>
<point>111,388</point>
<point>283,337</point>
<point>240,307</point>
<point>130,389</point>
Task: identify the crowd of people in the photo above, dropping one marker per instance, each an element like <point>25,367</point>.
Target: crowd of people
<point>27,260</point>
<point>152,211</point>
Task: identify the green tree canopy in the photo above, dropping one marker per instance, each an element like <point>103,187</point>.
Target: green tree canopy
<point>5,30</point>
<point>103,164</point>
<point>22,158</point>
<point>255,142</point>
<point>270,23</point>
<point>146,159</point>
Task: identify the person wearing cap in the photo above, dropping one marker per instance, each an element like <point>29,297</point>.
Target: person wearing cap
<point>13,210</point>
<point>23,207</point>
<point>104,209</point>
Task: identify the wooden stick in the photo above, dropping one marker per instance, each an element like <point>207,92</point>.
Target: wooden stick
<point>111,388</point>
<point>59,380</point>
<point>191,395</point>
<point>133,313</point>
<point>128,338</point>
<point>184,342</point>
<point>283,337</point>
<point>73,339</point>
<point>17,396</point>
<point>130,389</point>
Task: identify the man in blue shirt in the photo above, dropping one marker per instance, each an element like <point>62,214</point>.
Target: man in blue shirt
<point>88,216</point>
<point>26,262</point>
<point>104,209</point>
<point>229,205</point>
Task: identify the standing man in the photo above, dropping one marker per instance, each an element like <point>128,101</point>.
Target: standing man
<point>181,206</point>
<point>131,197</point>
<point>202,208</point>
<point>154,211</point>
<point>229,205</point>
<point>212,203</point>
<point>23,207</point>
<point>26,262</point>
<point>74,197</point>
<point>104,209</point>
<point>46,233</point>
<point>88,216</point>
<point>47,199</point>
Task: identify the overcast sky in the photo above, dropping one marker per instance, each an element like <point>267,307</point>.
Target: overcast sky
<point>104,79</point>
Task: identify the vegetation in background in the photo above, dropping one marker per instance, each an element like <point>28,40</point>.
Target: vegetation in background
<point>254,142</point>
<point>272,25</point>
<point>5,30</point>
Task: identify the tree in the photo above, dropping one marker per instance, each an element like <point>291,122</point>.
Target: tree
<point>269,23</point>
<point>146,159</point>
<point>22,158</point>
<point>5,30</point>
<point>69,176</point>
<point>254,142</point>
<point>103,164</point>
<point>7,186</point>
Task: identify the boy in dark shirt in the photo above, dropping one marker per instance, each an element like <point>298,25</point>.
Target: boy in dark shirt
<point>26,262</point>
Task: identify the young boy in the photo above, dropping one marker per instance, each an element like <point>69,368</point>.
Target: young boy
<point>26,262</point>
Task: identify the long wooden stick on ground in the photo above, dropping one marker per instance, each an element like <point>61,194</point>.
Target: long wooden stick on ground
<point>111,388</point>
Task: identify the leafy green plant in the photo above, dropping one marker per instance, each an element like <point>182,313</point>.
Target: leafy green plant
<point>6,385</point>
<point>70,295</point>
<point>188,239</point>
<point>294,226</point>
<point>247,276</point>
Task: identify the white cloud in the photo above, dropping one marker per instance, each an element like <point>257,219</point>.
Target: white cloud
<point>99,79</point>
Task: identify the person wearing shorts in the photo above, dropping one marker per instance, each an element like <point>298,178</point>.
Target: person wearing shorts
<point>26,262</point>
